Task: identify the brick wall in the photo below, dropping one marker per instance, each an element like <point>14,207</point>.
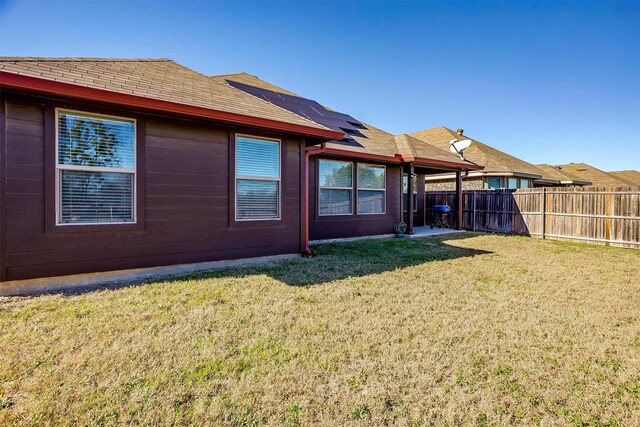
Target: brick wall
<point>450,184</point>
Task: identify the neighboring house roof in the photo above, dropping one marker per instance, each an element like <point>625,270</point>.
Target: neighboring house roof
<point>494,161</point>
<point>631,176</point>
<point>596,176</point>
<point>562,176</point>
<point>364,140</point>
<point>159,84</point>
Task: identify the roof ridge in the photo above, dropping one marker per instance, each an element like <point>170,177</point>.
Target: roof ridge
<point>232,74</point>
<point>78,59</point>
<point>404,139</point>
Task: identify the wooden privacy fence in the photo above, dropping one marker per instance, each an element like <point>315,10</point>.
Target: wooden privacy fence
<point>601,215</point>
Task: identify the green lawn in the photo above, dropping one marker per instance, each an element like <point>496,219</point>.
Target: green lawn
<point>474,330</point>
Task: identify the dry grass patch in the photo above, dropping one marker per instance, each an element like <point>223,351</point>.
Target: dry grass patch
<point>481,330</point>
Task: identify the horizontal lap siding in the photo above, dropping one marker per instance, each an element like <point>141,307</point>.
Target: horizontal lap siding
<point>186,204</point>
<point>332,227</point>
<point>24,168</point>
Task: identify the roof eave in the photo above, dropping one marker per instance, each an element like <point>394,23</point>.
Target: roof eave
<point>547,181</point>
<point>402,158</point>
<point>480,173</point>
<point>421,161</point>
<point>574,182</point>
<point>50,87</point>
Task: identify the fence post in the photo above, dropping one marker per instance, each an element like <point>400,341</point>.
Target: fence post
<point>607,220</point>
<point>473,222</point>
<point>544,210</point>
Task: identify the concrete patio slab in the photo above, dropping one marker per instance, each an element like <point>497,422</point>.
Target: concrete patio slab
<point>418,232</point>
<point>427,231</point>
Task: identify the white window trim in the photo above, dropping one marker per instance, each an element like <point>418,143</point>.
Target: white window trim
<point>320,187</point>
<point>59,168</point>
<point>257,178</point>
<point>383,189</point>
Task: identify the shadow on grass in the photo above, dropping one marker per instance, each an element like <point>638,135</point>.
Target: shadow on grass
<point>335,261</point>
<point>331,261</point>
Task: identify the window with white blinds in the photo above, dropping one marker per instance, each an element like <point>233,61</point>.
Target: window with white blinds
<point>95,168</point>
<point>257,178</point>
<point>335,187</point>
<point>371,189</point>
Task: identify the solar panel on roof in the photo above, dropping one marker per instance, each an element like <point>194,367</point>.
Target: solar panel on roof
<point>348,141</point>
<point>357,124</point>
<point>353,132</point>
<point>308,108</point>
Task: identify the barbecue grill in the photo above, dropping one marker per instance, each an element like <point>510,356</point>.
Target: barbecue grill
<point>441,212</point>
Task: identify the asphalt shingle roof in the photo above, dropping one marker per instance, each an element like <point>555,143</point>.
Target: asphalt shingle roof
<point>631,176</point>
<point>564,177</point>
<point>160,79</point>
<point>481,154</point>
<point>596,176</point>
<point>375,141</point>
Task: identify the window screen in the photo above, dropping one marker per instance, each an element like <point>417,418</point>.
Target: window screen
<point>257,178</point>
<point>371,189</point>
<point>335,187</point>
<point>95,169</point>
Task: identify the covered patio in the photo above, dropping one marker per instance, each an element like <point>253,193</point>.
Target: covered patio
<point>417,204</point>
<point>421,159</point>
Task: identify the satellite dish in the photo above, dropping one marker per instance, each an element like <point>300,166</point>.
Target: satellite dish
<point>458,147</point>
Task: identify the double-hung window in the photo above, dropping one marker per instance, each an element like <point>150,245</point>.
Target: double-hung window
<point>494,183</point>
<point>257,178</point>
<point>371,189</point>
<point>95,169</point>
<point>335,187</point>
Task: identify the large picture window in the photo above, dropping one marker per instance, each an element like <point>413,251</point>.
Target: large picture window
<point>257,178</point>
<point>371,189</point>
<point>95,169</point>
<point>336,187</point>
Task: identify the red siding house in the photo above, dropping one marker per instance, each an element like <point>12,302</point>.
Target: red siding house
<point>110,164</point>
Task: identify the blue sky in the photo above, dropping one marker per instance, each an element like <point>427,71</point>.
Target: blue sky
<point>548,82</point>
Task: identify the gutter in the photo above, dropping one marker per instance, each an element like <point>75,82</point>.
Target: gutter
<point>56,88</point>
<point>308,152</point>
<point>450,175</point>
<point>401,159</point>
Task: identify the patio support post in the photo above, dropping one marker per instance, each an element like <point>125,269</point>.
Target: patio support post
<point>459,200</point>
<point>410,200</point>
